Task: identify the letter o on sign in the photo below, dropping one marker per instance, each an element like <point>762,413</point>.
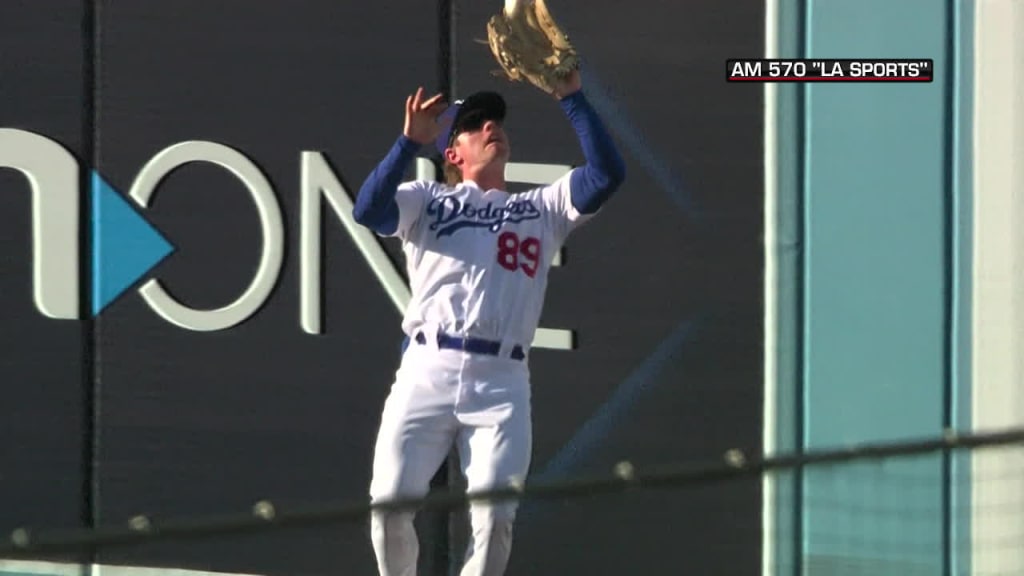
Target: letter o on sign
<point>271,225</point>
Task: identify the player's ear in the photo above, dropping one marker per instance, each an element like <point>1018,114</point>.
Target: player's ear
<point>452,156</point>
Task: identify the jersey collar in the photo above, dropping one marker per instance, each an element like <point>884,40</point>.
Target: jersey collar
<point>479,187</point>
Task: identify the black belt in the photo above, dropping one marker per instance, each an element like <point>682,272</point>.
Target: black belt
<point>473,345</point>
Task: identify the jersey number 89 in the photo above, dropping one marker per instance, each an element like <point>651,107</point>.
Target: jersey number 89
<point>515,253</point>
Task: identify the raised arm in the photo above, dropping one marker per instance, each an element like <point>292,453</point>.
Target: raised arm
<point>604,172</point>
<point>375,205</point>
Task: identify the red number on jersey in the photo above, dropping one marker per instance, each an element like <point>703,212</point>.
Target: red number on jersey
<point>508,251</point>
<point>530,250</point>
<point>511,249</point>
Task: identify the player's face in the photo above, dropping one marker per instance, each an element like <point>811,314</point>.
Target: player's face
<point>480,146</point>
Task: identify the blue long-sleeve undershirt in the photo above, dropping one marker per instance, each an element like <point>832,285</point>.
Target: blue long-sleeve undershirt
<point>604,172</point>
<point>590,186</point>
<point>375,206</point>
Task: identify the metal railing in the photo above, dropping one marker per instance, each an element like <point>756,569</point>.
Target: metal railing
<point>265,516</point>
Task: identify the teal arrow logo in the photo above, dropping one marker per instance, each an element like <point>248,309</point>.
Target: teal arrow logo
<point>124,245</point>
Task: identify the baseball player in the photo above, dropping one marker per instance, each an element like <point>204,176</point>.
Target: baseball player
<point>477,259</point>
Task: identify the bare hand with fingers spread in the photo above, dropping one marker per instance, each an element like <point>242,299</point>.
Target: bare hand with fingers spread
<point>421,117</point>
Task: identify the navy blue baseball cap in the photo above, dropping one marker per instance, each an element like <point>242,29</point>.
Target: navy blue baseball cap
<point>468,114</point>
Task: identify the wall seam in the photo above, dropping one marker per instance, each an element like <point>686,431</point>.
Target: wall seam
<point>800,380</point>
<point>89,506</point>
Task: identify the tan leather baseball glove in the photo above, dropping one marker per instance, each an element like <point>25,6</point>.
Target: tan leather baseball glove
<point>528,44</point>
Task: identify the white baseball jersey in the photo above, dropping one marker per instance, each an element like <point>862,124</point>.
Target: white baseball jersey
<point>478,260</point>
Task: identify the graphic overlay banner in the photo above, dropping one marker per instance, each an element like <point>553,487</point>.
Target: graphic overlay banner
<point>821,70</point>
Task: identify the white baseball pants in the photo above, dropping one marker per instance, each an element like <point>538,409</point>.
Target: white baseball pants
<point>440,398</point>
